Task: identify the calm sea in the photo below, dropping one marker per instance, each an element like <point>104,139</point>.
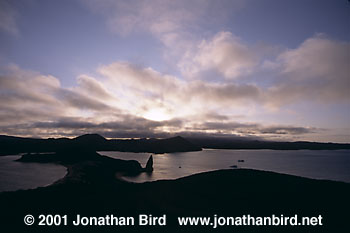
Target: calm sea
<point>16,175</point>
<point>325,164</point>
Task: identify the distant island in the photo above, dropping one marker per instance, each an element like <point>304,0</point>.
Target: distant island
<point>244,143</point>
<point>95,142</point>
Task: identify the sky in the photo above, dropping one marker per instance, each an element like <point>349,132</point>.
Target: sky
<point>270,70</point>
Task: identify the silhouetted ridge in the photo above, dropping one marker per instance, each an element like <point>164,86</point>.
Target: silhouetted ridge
<point>152,145</point>
<point>236,143</point>
<point>93,142</point>
<point>89,142</point>
<point>93,138</point>
<point>178,143</point>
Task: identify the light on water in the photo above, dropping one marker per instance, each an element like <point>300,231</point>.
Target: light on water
<point>317,164</point>
<point>323,164</point>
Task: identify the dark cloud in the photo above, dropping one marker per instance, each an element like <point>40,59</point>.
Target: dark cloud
<point>287,130</point>
<point>129,126</point>
<point>91,86</point>
<point>82,101</point>
<point>136,127</point>
<point>227,126</point>
<point>253,128</point>
<point>216,116</point>
<point>223,93</point>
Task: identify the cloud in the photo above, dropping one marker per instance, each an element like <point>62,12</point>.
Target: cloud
<point>176,24</point>
<point>81,101</point>
<point>90,86</point>
<point>318,70</point>
<point>29,96</point>
<point>287,130</point>
<point>37,104</point>
<point>144,88</point>
<point>23,91</point>
<point>163,19</point>
<point>127,126</point>
<point>8,18</point>
<point>131,126</point>
<point>224,53</point>
<point>252,128</point>
<point>222,78</point>
<point>124,74</point>
<point>135,101</point>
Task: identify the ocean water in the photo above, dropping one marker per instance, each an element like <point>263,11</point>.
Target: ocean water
<point>323,164</point>
<point>17,175</point>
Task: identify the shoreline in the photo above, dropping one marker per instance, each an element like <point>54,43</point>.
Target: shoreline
<point>91,188</point>
<point>124,177</point>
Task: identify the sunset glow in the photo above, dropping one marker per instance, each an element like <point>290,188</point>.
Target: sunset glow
<point>157,115</point>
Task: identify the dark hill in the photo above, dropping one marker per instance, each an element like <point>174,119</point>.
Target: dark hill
<point>90,138</point>
<point>92,190</point>
<point>168,145</point>
<point>94,142</point>
<point>234,143</point>
<point>175,144</point>
<point>171,144</point>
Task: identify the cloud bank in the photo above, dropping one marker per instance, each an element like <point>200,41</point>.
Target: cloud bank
<point>223,84</point>
<point>129,99</point>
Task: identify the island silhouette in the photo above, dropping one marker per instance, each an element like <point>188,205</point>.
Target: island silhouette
<point>95,142</point>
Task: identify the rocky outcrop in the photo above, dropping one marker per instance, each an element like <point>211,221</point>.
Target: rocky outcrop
<point>149,165</point>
